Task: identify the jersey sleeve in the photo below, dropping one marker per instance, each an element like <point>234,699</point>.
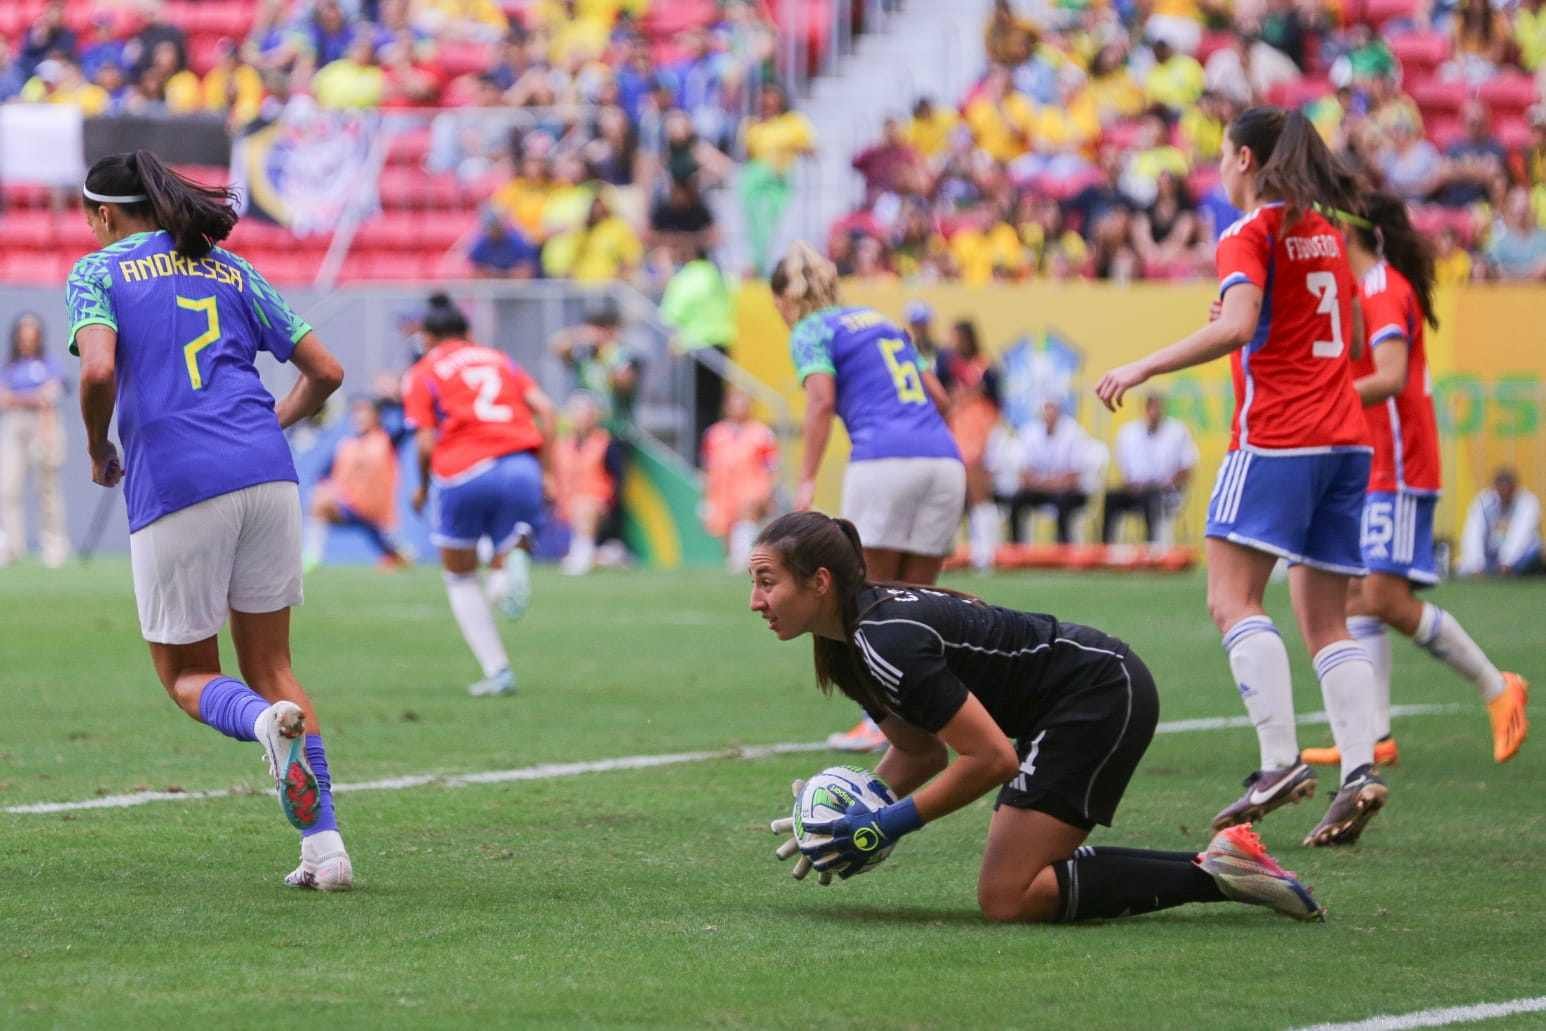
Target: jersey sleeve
<point>907,660</point>
<point>89,297</point>
<point>810,345</point>
<point>279,328</point>
<point>1385,317</point>
<point>419,400</point>
<point>1243,253</point>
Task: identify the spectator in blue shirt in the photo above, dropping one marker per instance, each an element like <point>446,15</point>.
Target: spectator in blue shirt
<point>1474,168</point>
<point>500,252</point>
<point>1517,249</point>
<point>47,35</point>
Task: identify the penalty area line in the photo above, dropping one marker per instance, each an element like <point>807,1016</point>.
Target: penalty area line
<point>1439,1017</point>
<point>558,771</point>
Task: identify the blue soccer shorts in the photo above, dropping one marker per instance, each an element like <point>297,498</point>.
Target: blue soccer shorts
<point>1398,535</point>
<point>1306,508</point>
<point>499,501</point>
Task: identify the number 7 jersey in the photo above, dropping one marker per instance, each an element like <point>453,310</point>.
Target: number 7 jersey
<point>1293,384</point>
<point>880,395</point>
<point>475,397</point>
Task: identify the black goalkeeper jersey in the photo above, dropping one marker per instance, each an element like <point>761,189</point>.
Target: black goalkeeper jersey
<point>926,649</point>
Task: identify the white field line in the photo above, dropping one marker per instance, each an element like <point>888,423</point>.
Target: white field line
<point>1440,1017</point>
<point>555,771</point>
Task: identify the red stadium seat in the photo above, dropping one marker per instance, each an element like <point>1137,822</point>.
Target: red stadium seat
<point>24,195</point>
<point>203,52</point>
<point>1299,92</point>
<point>457,59</point>
<point>389,231</point>
<point>409,148</point>
<point>1420,52</point>
<point>438,233</point>
<point>1509,93</point>
<point>1514,133</point>
<point>1202,180</point>
<point>1378,12</point>
<point>442,191</point>
<point>1066,187</point>
<point>213,17</point>
<point>1434,97</point>
<point>1445,131</point>
<point>28,229</point>
<point>73,236</point>
<point>390,265</point>
<point>1212,43</point>
<point>32,267</point>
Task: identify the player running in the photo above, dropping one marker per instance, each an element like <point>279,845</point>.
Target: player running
<point>168,326</point>
<point>1054,715</point>
<point>1293,481</point>
<point>483,429</point>
<point>905,486</point>
<point>1395,269</point>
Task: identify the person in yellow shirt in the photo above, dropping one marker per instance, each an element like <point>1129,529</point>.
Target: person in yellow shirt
<point>231,86</point>
<point>1451,263</point>
<point>1202,127</point>
<point>59,81</point>
<point>1000,117</point>
<point>1530,34</point>
<point>1176,80</point>
<point>352,81</point>
<point>1152,156</point>
<point>602,250</point>
<point>773,142</point>
<point>989,250</point>
<point>1111,86</point>
<point>569,197</point>
<point>930,128</point>
<point>522,200</point>
<point>461,19</point>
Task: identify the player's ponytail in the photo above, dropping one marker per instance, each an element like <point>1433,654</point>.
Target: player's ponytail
<point>1294,165</point>
<point>196,216</point>
<point>805,542</point>
<point>1391,235</point>
<point>806,278</point>
<point>443,320</point>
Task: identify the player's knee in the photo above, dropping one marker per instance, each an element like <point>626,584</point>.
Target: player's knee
<point>1012,903</point>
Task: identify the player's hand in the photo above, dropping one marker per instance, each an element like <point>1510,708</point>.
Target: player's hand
<point>858,834</point>
<point>785,825</point>
<point>804,495</point>
<point>106,469</point>
<point>420,497</point>
<point>1215,309</point>
<point>1116,383</point>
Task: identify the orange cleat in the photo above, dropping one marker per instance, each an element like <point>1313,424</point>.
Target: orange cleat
<point>864,736</point>
<point>1385,754</point>
<point>1506,713</point>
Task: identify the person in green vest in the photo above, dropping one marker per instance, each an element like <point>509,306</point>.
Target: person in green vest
<point>700,312</point>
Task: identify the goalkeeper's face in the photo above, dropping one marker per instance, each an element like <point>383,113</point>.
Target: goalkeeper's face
<point>789,604</point>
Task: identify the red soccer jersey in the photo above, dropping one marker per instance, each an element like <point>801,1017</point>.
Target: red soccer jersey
<point>476,397</point>
<point>1406,434</point>
<point>1293,382</point>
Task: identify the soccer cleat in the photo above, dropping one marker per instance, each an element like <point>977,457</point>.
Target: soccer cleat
<point>1506,713</point>
<point>1362,795</point>
<point>324,865</point>
<point>1385,754</point>
<point>864,736</point>
<point>500,683</point>
<point>517,597</point>
<point>1266,790</point>
<point>281,730</point>
<point>1246,872</point>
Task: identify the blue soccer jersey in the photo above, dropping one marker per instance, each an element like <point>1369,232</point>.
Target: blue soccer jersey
<point>194,418</point>
<point>880,395</point>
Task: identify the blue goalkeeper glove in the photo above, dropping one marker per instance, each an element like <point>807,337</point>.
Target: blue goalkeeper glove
<point>858,834</point>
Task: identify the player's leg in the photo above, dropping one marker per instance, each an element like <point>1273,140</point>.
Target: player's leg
<point>1368,629</point>
<point>936,520</point>
<point>920,569</point>
<point>324,514</point>
<point>509,583</point>
<point>379,538</point>
<point>585,519</point>
<point>463,513</point>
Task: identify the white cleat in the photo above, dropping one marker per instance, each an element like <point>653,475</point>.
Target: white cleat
<point>517,597</point>
<point>281,730</point>
<point>500,683</point>
<point>324,865</point>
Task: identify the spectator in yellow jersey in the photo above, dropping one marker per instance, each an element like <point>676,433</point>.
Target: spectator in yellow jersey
<point>930,128</point>
<point>59,81</point>
<point>1000,117</point>
<point>1008,37</point>
<point>1111,86</point>
<point>232,86</point>
<point>522,200</point>
<point>461,19</point>
<point>774,141</point>
<point>1176,80</point>
<point>987,250</point>
<point>1451,262</point>
<point>604,249</point>
<point>354,80</point>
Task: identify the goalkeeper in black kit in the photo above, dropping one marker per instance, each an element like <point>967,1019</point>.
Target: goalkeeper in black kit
<point>1054,715</point>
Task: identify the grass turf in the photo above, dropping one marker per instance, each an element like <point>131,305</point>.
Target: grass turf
<point>651,897</point>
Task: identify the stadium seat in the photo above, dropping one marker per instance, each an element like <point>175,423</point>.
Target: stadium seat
<point>1509,93</point>
<point>438,233</point>
<point>457,59</point>
<point>231,19</point>
<point>401,189</point>
<point>32,267</point>
<point>1062,188</point>
<point>1212,43</point>
<point>28,229</point>
<point>1514,132</point>
<point>23,195</point>
<point>203,52</point>
<point>389,231</point>
<point>1420,52</point>
<point>1444,131</point>
<point>72,235</point>
<point>1434,97</point>
<point>409,148</point>
<point>1202,180</point>
<point>1299,92</point>
<point>1378,12</point>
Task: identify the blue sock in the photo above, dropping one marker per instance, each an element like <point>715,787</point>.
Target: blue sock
<point>377,536</point>
<point>317,758</point>
<point>231,707</point>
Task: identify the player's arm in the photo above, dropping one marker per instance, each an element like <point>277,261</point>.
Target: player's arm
<point>914,757</point>
<point>936,391</point>
<point>321,375</point>
<point>424,447</point>
<point>1389,375</point>
<point>1238,314</point>
<point>985,758</point>
<point>820,406</point>
<point>546,418</point>
<point>1359,322</point>
<point>98,346</point>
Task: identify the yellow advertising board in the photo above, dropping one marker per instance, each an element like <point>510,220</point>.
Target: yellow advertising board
<point>1487,359</point>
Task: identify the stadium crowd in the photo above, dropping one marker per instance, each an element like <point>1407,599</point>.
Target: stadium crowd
<point>1088,146</point>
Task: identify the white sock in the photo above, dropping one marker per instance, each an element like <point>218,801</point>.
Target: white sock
<point>742,536</point>
<point>1442,636</point>
<point>497,585</point>
<point>1369,632</point>
<point>473,615</point>
<point>316,540</point>
<point>1259,662</point>
<point>582,555</point>
<point>1347,685</point>
<point>983,530</point>
<point>322,846</point>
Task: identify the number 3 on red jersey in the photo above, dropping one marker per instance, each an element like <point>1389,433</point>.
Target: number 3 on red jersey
<point>1324,286</point>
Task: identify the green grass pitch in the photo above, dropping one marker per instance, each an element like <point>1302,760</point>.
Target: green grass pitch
<point>651,897</point>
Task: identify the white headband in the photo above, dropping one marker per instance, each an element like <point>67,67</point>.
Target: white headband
<point>102,198</point>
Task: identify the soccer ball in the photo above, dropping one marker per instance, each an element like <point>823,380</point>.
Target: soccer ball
<point>828,794</point>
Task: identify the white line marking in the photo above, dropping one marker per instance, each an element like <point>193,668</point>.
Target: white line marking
<point>555,771</point>
<point>1440,1017</point>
